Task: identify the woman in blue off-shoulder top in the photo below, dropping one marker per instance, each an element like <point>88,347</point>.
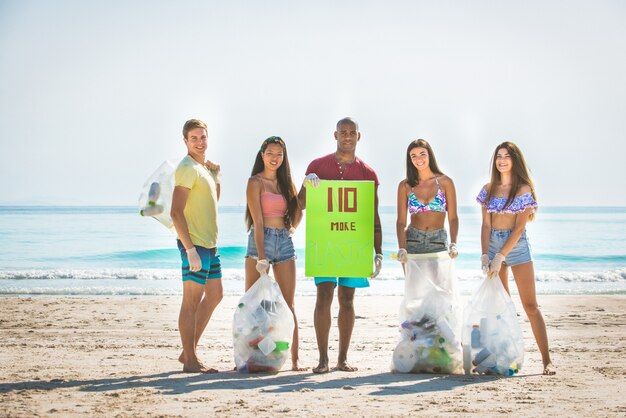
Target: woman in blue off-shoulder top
<point>508,201</point>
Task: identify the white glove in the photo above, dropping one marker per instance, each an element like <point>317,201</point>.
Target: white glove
<point>262,266</point>
<point>484,263</point>
<point>402,256</point>
<point>495,266</point>
<point>378,264</point>
<point>195,264</point>
<point>311,178</point>
<point>452,250</point>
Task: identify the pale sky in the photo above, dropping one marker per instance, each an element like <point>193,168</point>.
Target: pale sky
<point>93,94</point>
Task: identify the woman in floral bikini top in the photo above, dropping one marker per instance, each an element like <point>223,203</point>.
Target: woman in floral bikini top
<point>425,232</point>
<point>508,202</point>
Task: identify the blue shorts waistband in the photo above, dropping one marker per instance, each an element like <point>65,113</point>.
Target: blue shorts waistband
<point>284,232</point>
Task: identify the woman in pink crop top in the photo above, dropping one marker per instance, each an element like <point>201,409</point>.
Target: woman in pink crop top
<point>426,194</point>
<point>272,214</point>
<point>508,202</point>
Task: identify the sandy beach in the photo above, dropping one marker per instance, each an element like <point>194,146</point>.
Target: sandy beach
<point>116,356</point>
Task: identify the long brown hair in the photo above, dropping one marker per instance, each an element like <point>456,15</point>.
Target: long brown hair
<point>520,174</point>
<point>285,184</point>
<point>412,175</point>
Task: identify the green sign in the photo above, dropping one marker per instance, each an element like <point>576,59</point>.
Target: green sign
<point>339,229</point>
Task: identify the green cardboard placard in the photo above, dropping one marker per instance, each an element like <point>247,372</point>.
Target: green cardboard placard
<point>339,229</point>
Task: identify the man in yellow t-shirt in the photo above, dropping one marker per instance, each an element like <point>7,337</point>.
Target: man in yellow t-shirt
<point>194,213</point>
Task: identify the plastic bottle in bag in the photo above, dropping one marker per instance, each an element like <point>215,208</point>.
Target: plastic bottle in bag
<point>475,336</point>
<point>439,357</point>
<point>153,193</point>
<point>244,326</point>
<point>484,331</point>
<point>261,317</point>
<point>151,210</point>
<point>481,356</point>
<point>467,359</point>
<point>446,331</point>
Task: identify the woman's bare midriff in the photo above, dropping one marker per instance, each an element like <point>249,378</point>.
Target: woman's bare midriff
<point>503,220</point>
<point>274,223</point>
<point>428,221</point>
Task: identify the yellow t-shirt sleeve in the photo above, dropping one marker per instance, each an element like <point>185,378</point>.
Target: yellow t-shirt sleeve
<point>186,176</point>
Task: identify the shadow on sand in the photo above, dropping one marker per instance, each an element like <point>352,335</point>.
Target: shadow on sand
<point>174,383</point>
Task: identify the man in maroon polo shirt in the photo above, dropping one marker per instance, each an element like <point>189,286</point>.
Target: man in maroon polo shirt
<point>343,164</point>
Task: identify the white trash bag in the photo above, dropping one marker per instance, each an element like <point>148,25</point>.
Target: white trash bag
<point>156,194</point>
<point>262,328</point>
<point>430,317</point>
<point>492,338</point>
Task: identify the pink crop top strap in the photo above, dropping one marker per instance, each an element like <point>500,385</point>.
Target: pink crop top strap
<point>273,205</point>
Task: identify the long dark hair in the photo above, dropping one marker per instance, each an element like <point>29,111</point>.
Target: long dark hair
<point>412,175</point>
<point>520,174</point>
<point>285,184</point>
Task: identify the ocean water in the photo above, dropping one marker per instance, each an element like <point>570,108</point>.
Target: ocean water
<point>113,250</point>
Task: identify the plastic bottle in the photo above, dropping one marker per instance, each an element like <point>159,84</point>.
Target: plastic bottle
<point>467,359</point>
<point>153,194</point>
<point>490,362</point>
<point>439,357</point>
<point>151,210</point>
<point>481,356</point>
<point>508,372</point>
<point>446,331</point>
<point>407,331</point>
<point>426,323</point>
<point>475,336</point>
<point>485,330</point>
<point>261,317</point>
<point>406,325</point>
<point>424,342</point>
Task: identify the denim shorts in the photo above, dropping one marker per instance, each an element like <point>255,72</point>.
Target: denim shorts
<point>520,253</point>
<point>211,267</point>
<point>420,241</point>
<point>277,244</point>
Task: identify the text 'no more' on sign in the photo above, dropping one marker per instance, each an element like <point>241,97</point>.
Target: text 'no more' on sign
<point>339,229</point>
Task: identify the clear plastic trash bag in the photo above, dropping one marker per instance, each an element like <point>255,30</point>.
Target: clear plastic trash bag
<point>430,317</point>
<point>262,328</point>
<point>156,194</point>
<point>492,337</point>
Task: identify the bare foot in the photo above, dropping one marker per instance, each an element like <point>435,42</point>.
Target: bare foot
<point>549,369</point>
<point>345,367</point>
<point>321,368</point>
<point>295,368</point>
<point>198,367</point>
<point>181,360</point>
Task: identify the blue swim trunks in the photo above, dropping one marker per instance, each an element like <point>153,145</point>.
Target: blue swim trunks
<point>353,282</point>
<point>211,267</point>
